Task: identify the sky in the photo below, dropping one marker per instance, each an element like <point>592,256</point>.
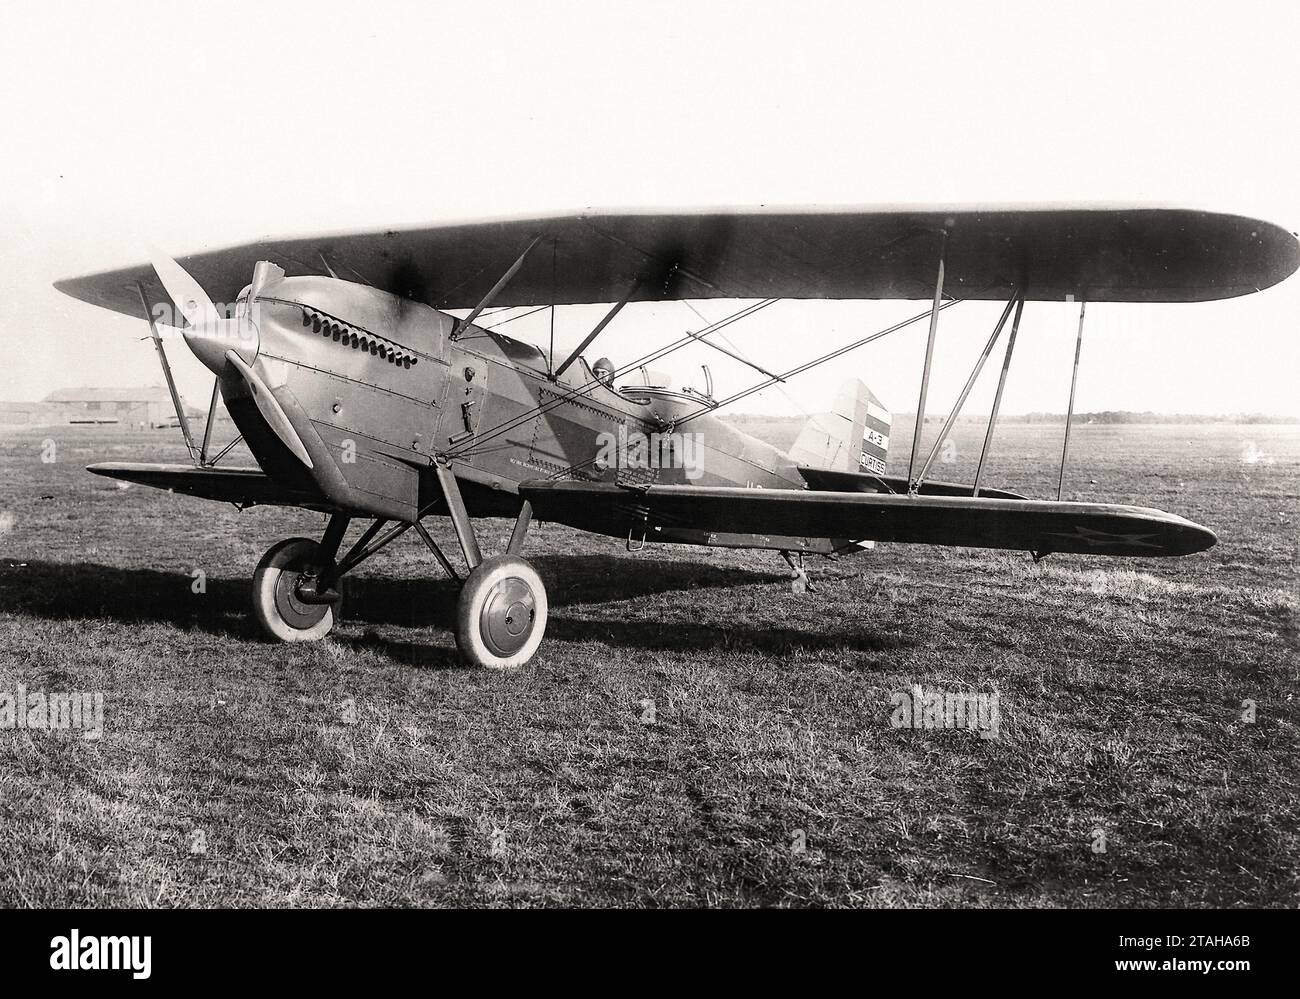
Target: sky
<point>191,126</point>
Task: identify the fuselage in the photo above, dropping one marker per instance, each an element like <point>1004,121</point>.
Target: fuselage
<point>380,387</point>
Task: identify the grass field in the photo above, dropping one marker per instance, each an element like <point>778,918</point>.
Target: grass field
<point>372,769</point>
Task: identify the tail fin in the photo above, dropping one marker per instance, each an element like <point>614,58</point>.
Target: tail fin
<point>853,437</point>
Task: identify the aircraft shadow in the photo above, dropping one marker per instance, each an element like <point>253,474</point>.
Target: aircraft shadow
<point>87,590</point>
<point>69,591</point>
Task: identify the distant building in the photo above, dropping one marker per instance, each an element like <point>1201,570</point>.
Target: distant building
<point>147,406</point>
<point>26,414</point>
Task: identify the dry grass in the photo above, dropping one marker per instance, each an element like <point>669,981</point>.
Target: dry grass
<point>372,769</point>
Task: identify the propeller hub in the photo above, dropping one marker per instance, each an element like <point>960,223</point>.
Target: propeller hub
<point>210,342</point>
<point>209,333</point>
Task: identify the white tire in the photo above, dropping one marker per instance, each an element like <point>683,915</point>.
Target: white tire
<point>501,614</point>
<point>275,599</point>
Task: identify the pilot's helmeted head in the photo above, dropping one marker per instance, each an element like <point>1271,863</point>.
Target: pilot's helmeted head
<point>604,370</point>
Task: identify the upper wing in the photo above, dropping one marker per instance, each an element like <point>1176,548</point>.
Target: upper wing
<point>1026,525</point>
<point>1106,254</point>
<point>245,486</point>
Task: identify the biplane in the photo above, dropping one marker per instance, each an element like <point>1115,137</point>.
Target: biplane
<point>362,396</point>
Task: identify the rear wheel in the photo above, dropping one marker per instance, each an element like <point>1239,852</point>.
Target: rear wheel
<point>501,615</point>
<point>276,602</point>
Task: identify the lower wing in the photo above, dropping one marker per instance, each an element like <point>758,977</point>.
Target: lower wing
<point>1026,525</point>
<point>243,486</point>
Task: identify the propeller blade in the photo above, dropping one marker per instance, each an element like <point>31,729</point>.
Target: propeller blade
<point>186,294</point>
<point>210,335</point>
<point>270,409</point>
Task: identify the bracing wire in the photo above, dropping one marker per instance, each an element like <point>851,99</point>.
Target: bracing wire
<point>531,414</point>
<point>807,366</point>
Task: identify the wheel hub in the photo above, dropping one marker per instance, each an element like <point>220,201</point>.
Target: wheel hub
<point>292,609</point>
<point>508,615</point>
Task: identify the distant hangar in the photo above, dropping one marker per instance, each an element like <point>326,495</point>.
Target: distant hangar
<point>138,408</point>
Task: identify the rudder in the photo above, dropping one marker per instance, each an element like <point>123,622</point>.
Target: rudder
<point>853,437</point>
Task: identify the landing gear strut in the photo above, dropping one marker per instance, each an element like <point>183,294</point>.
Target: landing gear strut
<point>500,615</point>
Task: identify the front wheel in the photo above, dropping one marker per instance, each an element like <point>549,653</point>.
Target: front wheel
<point>501,615</point>
<point>276,603</point>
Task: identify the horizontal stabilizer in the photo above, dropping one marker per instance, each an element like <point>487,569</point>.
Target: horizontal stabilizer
<point>828,480</point>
